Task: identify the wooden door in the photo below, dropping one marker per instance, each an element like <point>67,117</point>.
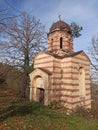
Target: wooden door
<point>41,95</point>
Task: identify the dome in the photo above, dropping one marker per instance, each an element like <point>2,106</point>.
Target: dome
<point>60,25</point>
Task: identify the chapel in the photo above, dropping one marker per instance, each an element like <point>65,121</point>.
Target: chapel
<point>60,74</point>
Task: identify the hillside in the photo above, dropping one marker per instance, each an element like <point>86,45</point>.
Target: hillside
<point>19,114</point>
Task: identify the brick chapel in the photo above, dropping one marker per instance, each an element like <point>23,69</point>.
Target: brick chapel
<point>60,74</point>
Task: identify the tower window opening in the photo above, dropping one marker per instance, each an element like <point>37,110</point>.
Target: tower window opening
<point>61,42</point>
<point>69,32</point>
<point>52,44</point>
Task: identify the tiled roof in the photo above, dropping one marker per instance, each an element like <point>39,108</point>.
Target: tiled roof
<point>45,70</point>
<point>60,25</point>
<point>70,54</point>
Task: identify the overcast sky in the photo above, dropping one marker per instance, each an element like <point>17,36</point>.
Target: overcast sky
<point>83,12</point>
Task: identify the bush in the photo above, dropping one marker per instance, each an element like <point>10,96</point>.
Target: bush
<point>94,110</point>
<point>86,113</point>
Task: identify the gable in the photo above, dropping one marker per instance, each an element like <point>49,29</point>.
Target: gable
<point>82,55</point>
<point>38,72</point>
<point>43,55</point>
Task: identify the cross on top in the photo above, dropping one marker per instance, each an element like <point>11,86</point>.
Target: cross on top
<point>59,17</point>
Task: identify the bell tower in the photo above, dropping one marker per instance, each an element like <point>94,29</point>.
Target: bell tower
<point>60,37</point>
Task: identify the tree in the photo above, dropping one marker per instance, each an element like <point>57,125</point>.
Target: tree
<point>93,52</point>
<point>4,17</point>
<point>25,37</point>
<point>11,78</point>
<point>3,72</point>
<point>76,29</point>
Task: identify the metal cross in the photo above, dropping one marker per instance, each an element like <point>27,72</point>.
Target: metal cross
<point>59,17</point>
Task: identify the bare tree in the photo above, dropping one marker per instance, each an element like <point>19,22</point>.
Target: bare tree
<point>93,52</point>
<point>25,37</point>
<point>4,17</point>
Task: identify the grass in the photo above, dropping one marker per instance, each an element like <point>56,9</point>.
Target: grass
<point>22,115</point>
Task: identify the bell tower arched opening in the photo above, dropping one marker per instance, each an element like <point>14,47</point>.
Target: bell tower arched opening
<point>61,42</point>
<point>52,43</point>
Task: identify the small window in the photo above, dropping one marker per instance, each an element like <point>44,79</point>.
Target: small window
<point>61,42</point>
<point>69,32</point>
<point>52,44</point>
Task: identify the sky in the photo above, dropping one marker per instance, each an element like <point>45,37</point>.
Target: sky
<point>83,12</point>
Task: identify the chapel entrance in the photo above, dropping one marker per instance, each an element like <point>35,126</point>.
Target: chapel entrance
<point>40,89</point>
<point>40,95</point>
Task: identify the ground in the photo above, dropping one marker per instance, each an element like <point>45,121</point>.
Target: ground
<point>20,114</point>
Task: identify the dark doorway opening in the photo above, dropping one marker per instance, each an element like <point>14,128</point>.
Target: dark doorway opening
<point>41,95</point>
<point>61,43</point>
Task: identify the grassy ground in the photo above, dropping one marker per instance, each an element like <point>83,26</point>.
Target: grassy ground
<point>18,114</point>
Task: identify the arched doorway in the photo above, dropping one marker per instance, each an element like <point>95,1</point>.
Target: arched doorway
<point>40,95</point>
<point>40,89</point>
<point>39,86</point>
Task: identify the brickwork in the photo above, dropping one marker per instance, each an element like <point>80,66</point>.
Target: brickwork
<point>64,75</point>
<point>54,39</point>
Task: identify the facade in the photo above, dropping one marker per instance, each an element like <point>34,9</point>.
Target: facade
<point>60,74</point>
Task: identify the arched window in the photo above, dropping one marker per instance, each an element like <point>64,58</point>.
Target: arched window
<point>61,42</point>
<point>81,82</point>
